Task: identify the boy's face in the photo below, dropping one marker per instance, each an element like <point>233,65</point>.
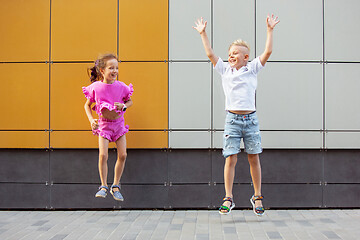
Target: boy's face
<point>111,70</point>
<point>238,56</point>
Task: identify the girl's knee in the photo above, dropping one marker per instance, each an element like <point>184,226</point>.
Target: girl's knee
<point>103,156</point>
<point>122,156</point>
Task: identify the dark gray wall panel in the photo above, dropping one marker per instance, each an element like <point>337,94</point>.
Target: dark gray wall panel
<point>341,166</point>
<point>189,166</point>
<point>242,169</point>
<point>145,166</point>
<point>342,195</point>
<point>78,166</point>
<point>144,196</point>
<point>190,196</point>
<point>241,195</point>
<point>17,195</point>
<point>292,166</point>
<point>24,166</point>
<point>79,196</point>
<point>292,195</point>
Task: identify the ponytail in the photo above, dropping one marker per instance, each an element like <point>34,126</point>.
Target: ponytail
<point>94,72</point>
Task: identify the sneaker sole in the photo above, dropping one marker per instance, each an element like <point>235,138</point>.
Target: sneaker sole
<point>117,199</point>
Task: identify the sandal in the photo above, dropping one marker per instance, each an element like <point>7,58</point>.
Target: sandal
<point>227,209</point>
<point>259,211</point>
<point>116,194</point>
<point>102,191</point>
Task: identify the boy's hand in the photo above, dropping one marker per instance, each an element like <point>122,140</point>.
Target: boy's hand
<point>271,21</point>
<point>200,25</point>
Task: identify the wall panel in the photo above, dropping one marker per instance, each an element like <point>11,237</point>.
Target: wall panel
<point>80,30</point>
<point>67,99</point>
<point>184,41</point>
<point>341,35</point>
<point>24,139</point>
<point>150,109</point>
<point>25,96</point>
<point>143,30</point>
<point>296,37</point>
<point>24,30</point>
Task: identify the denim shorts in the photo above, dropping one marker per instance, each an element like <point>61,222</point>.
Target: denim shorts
<point>239,127</point>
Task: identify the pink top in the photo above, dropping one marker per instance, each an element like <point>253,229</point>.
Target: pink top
<point>104,94</point>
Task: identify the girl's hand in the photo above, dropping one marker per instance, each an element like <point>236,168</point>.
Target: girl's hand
<point>200,25</point>
<point>94,124</point>
<point>271,21</point>
<point>119,106</point>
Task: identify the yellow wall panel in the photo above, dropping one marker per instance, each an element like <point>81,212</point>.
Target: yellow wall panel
<point>143,30</point>
<point>67,99</point>
<point>147,139</point>
<point>73,139</point>
<point>25,96</point>
<point>24,139</point>
<point>150,109</point>
<point>83,29</point>
<point>24,30</point>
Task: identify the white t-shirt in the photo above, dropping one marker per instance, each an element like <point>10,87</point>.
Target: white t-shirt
<point>239,85</point>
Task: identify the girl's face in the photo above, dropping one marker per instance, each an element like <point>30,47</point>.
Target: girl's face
<point>238,56</point>
<point>110,71</point>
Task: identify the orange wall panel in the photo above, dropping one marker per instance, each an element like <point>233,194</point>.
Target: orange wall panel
<point>67,99</point>
<point>25,94</point>
<point>143,30</point>
<point>24,30</point>
<point>150,109</point>
<point>81,30</point>
<point>24,139</point>
<point>147,139</point>
<point>73,139</point>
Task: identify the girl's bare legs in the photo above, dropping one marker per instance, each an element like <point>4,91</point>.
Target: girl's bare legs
<point>255,171</point>
<point>229,174</point>
<point>103,157</point>
<point>120,162</point>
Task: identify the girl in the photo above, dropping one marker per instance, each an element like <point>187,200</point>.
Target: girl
<point>111,98</point>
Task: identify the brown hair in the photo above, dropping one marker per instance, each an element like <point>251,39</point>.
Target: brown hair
<point>94,72</point>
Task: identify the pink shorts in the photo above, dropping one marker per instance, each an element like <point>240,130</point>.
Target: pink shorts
<point>111,129</point>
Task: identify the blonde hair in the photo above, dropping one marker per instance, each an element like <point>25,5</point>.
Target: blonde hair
<point>241,43</point>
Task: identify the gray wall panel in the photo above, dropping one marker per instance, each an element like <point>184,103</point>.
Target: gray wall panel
<point>292,166</point>
<point>18,195</point>
<point>145,196</point>
<point>342,140</point>
<point>290,96</point>
<point>138,161</point>
<point>184,41</point>
<point>79,166</point>
<point>299,34</point>
<point>24,166</point>
<point>292,195</point>
<point>342,96</point>
<point>341,166</point>
<point>192,166</point>
<point>190,139</point>
<point>342,37</point>
<point>342,195</point>
<point>79,196</point>
<point>190,196</point>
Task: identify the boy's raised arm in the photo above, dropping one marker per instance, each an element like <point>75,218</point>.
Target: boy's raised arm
<point>271,23</point>
<point>200,27</point>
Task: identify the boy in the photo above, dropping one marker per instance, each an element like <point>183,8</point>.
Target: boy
<point>239,79</point>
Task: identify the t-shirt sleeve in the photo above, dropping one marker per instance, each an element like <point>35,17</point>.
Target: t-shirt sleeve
<point>256,65</point>
<point>128,92</point>
<point>89,93</point>
<point>220,66</point>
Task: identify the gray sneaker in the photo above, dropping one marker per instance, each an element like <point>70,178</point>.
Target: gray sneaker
<point>102,192</point>
<point>116,194</point>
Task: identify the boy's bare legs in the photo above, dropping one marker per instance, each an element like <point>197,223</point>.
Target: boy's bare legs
<point>120,162</point>
<point>103,157</point>
<point>229,174</point>
<point>255,171</point>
